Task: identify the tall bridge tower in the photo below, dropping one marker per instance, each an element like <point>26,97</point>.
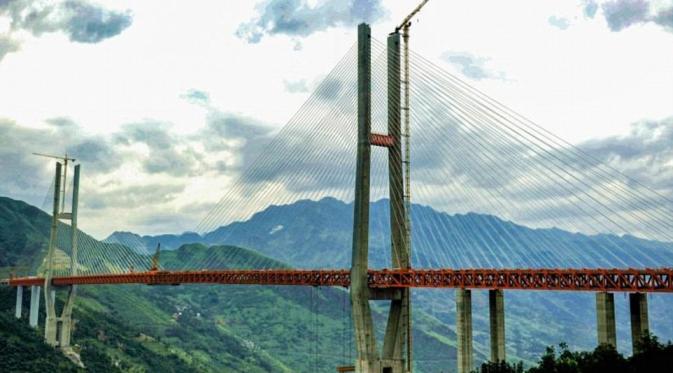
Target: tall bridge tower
<point>395,357</point>
<point>58,329</point>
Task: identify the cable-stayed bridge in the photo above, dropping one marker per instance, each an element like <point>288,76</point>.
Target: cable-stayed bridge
<point>591,227</point>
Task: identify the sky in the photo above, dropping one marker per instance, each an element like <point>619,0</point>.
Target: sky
<point>161,101</point>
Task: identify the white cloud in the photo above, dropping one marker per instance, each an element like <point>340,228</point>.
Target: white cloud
<point>181,70</point>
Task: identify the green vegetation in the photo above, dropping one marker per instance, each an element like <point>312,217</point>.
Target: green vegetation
<point>653,357</point>
<point>209,328</point>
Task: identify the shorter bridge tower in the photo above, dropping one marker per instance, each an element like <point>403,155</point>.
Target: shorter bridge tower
<point>58,328</point>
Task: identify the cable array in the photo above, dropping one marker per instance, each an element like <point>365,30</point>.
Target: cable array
<point>491,189</point>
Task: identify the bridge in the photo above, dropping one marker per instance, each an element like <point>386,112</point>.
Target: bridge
<point>496,142</point>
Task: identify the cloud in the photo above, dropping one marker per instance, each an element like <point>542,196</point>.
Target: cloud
<point>167,154</point>
<point>472,66</point>
<point>24,174</point>
<point>298,18</point>
<point>7,45</point>
<point>87,23</point>
<point>80,20</point>
<point>135,166</point>
<point>645,154</point>
<point>197,96</point>
<point>590,8</point>
<point>621,14</point>
<point>96,151</point>
<point>132,196</point>
<point>559,22</point>
<point>296,86</point>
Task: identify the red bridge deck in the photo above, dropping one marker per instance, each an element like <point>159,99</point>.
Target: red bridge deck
<point>624,280</point>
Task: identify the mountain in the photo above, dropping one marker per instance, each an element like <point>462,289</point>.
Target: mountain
<point>209,328</point>
<point>317,234</point>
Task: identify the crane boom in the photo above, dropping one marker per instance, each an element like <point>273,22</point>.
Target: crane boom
<point>406,20</point>
<point>65,160</point>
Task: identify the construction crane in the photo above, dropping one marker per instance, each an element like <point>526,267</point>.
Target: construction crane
<point>155,259</point>
<point>406,134</point>
<point>65,160</point>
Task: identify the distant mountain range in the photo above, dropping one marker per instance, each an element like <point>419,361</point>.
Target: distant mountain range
<point>240,328</point>
<point>317,234</point>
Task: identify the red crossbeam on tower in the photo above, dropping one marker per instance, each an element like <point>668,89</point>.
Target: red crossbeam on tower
<point>378,139</point>
<point>622,280</point>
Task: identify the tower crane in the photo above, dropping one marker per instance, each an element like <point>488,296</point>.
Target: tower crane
<point>406,134</point>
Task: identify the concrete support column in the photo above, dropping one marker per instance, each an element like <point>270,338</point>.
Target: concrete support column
<point>639,320</point>
<point>464,330</point>
<point>34,305</point>
<point>496,307</point>
<point>51,320</point>
<point>605,319</point>
<point>65,331</point>
<point>19,301</point>
<point>368,360</point>
<point>51,323</point>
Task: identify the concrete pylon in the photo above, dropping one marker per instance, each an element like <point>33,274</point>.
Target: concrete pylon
<point>496,307</point>
<point>639,319</point>
<point>464,330</point>
<point>51,324</point>
<point>397,337</point>
<point>34,306</point>
<point>606,329</point>
<point>66,314</point>
<point>19,302</point>
<point>365,340</point>
<point>58,329</point>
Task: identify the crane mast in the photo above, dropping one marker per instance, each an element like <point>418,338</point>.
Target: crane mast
<point>406,135</point>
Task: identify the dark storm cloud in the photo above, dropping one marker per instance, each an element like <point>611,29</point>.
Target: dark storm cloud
<point>80,20</point>
<point>471,66</point>
<point>299,19</point>
<point>621,14</point>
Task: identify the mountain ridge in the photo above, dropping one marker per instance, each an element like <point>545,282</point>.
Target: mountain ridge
<point>291,232</point>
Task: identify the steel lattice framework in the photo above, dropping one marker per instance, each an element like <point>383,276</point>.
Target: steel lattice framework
<point>619,280</point>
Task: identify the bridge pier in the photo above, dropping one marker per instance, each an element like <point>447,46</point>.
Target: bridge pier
<point>19,301</point>
<point>639,319</point>
<point>397,337</point>
<point>496,307</point>
<point>605,319</point>
<point>464,330</point>
<point>34,306</point>
<point>58,328</point>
